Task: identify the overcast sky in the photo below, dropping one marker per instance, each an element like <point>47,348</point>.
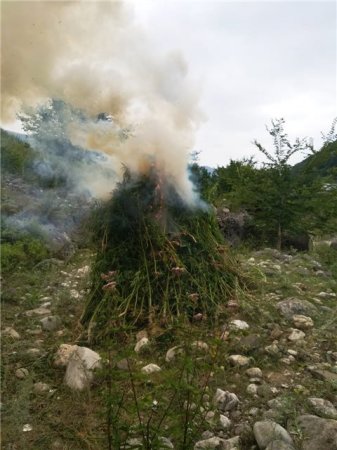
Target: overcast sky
<point>256,61</point>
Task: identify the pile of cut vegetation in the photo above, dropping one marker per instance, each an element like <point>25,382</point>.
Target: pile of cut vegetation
<point>158,259</point>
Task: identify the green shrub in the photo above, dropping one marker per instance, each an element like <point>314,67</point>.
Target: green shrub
<point>25,252</point>
<point>16,156</point>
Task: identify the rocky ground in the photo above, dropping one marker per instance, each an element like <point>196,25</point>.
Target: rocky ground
<point>263,377</point>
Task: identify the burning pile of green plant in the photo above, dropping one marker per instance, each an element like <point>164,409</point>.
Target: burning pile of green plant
<point>158,259</point>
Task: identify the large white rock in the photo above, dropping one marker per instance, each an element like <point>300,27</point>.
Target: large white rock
<point>82,362</point>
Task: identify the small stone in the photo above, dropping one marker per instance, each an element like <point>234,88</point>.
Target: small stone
<point>74,294</point>
<point>292,352</point>
<point>267,431</point>
<point>27,427</point>
<point>323,408</point>
<point>150,368</point>
<point>238,325</point>
<point>141,344</point>
<point>123,364</point>
<point>239,360</point>
<point>225,401</point>
<point>276,332</point>
<point>327,295</point>
<point>33,352</point>
<point>41,388</point>
<point>41,311</point>
<point>213,443</point>
<point>172,353</point>
<point>253,411</point>
<point>251,389</point>
<point>50,323</point>
<point>254,372</point>
<point>21,373</point>
<point>141,334</point>
<point>9,331</point>
<point>302,322</point>
<point>200,345</point>
<point>209,417</point>
<point>296,335</point>
<point>224,423</point>
<point>272,349</point>
<point>36,331</point>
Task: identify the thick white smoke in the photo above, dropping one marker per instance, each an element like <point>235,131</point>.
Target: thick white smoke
<point>93,56</point>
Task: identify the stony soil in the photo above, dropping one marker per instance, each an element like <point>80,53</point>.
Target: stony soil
<point>269,362</point>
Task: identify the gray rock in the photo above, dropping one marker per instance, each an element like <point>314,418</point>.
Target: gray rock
<point>279,445</point>
<point>272,349</point>
<point>324,375</point>
<point>318,433</point>
<point>224,423</point>
<point>225,401</point>
<point>294,306</point>
<point>123,364</point>
<point>254,372</point>
<point>323,408</point>
<point>267,431</point>
<point>50,323</point>
<point>213,443</point>
<point>252,389</point>
<point>239,360</point>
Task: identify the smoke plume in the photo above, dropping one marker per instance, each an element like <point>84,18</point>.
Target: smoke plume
<point>94,56</point>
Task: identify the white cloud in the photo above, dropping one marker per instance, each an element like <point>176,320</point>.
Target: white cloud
<point>257,61</point>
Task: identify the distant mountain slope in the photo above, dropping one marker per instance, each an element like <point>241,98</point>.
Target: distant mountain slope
<point>319,164</point>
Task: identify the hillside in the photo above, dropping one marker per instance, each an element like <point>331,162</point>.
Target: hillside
<point>320,164</point>
<point>260,374</point>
